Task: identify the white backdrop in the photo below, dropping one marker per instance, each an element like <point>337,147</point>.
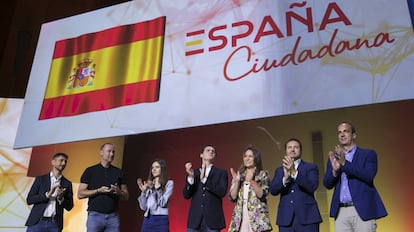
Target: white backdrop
<point>217,84</point>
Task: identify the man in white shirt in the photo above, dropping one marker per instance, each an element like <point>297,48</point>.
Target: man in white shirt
<point>49,195</point>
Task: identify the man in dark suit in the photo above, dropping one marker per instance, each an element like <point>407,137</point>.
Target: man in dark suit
<point>296,181</point>
<point>206,186</point>
<point>355,203</point>
<point>49,195</point>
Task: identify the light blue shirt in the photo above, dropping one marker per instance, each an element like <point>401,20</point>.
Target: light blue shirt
<point>345,194</point>
<point>154,201</point>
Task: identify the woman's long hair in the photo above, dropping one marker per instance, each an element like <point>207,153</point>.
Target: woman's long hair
<point>163,173</point>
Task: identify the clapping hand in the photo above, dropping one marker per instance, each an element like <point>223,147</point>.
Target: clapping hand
<point>288,167</point>
<point>142,185</point>
<point>236,176</point>
<point>115,189</point>
<point>337,159</point>
<point>60,192</point>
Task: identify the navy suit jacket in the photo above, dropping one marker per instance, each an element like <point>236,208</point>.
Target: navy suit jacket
<point>37,198</point>
<point>360,172</point>
<point>297,197</point>
<point>206,199</point>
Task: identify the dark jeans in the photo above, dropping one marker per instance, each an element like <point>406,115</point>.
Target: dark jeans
<point>44,226</point>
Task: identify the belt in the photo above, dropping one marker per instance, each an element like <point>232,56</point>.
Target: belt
<point>48,218</point>
<point>346,204</point>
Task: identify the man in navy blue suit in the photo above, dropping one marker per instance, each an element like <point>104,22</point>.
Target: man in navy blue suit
<point>206,186</point>
<point>296,181</point>
<point>351,170</point>
<point>49,195</point>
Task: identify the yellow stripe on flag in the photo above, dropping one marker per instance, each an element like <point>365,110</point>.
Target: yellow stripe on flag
<point>116,65</point>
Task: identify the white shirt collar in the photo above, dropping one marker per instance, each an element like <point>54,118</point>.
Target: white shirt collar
<point>297,162</point>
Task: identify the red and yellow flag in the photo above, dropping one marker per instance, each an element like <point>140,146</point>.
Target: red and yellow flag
<point>107,69</point>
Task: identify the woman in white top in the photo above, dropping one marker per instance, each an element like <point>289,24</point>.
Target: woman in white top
<point>154,198</point>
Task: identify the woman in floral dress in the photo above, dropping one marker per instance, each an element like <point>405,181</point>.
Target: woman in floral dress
<point>249,188</point>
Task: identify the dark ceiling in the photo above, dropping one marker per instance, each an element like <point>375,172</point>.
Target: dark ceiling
<point>21,21</point>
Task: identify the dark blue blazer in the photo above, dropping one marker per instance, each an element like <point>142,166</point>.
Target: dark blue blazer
<point>361,172</point>
<point>206,199</point>
<point>37,198</point>
<point>297,197</point>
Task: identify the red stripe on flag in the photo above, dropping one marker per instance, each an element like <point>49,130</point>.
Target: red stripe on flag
<point>98,100</point>
<point>110,37</point>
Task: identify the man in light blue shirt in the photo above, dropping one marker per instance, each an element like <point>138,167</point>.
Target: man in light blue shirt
<point>356,203</point>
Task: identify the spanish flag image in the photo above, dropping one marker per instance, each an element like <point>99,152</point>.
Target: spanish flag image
<point>103,70</point>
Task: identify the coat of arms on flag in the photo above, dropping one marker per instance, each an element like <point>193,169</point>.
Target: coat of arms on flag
<point>126,58</point>
<point>82,75</point>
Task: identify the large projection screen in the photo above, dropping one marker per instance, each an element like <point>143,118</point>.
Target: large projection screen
<point>192,64</point>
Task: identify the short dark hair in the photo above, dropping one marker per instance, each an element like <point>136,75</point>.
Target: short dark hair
<point>353,130</point>
<point>208,145</point>
<point>60,154</point>
<point>296,140</point>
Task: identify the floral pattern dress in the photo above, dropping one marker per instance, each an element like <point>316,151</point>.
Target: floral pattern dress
<point>258,211</point>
